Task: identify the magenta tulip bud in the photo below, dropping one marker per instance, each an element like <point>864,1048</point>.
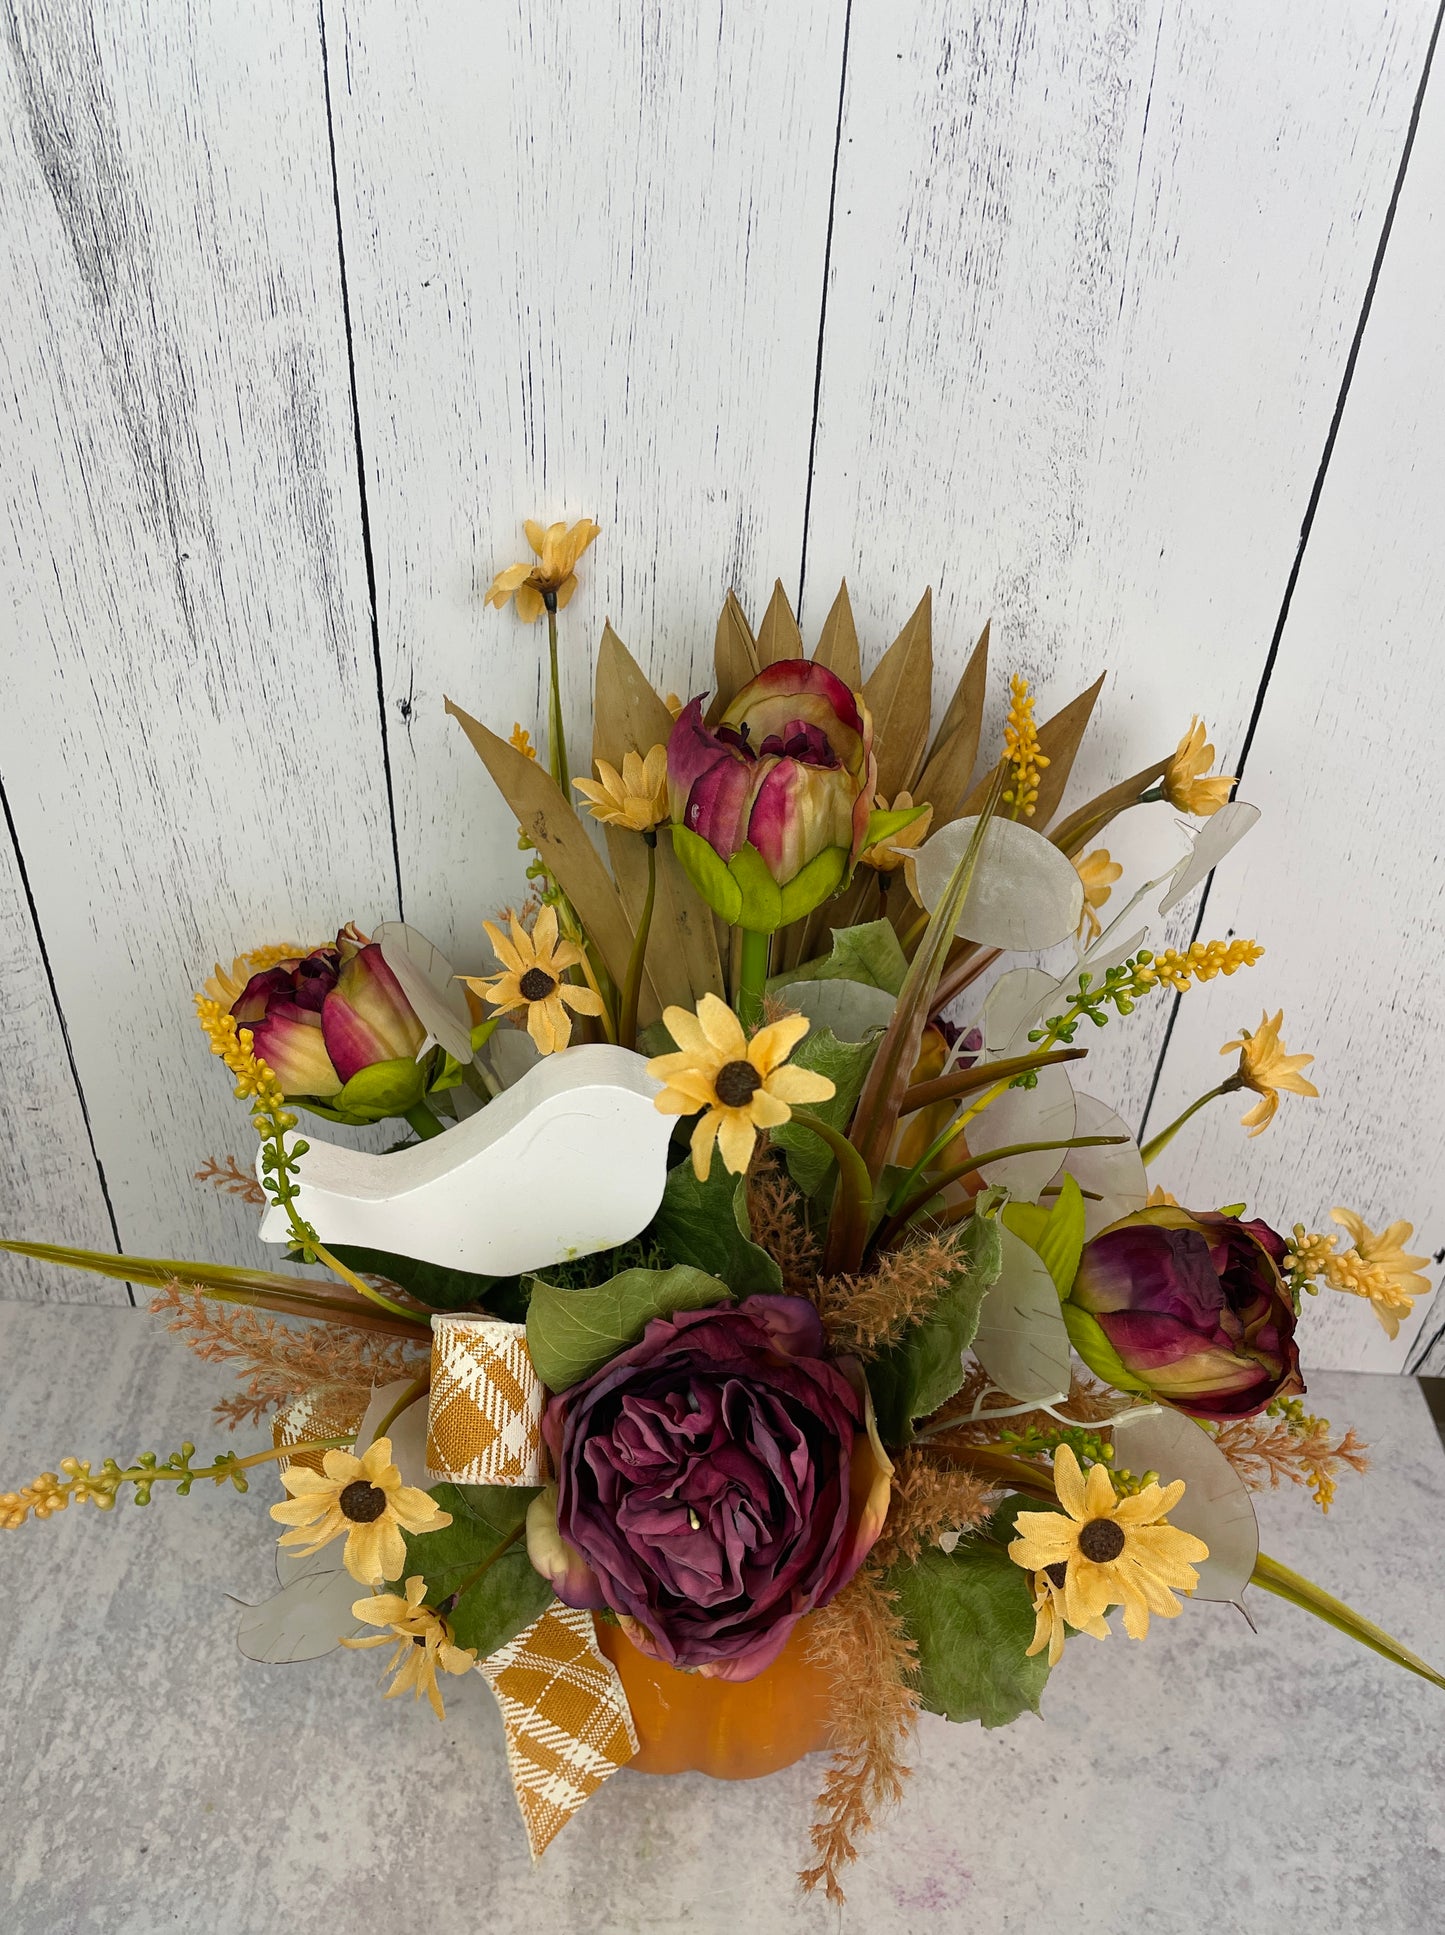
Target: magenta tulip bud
<point>789,770</point>
<point>318,1021</point>
<point>1190,1307</point>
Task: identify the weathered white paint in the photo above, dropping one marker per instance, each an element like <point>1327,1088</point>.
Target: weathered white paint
<point>1344,880</point>
<point>585,255</point>
<point>48,1177</point>
<point>1095,273</point>
<point>190,742</point>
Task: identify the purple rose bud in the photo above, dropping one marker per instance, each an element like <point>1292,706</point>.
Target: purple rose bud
<point>1189,1306</point>
<point>715,1482</point>
<point>789,770</point>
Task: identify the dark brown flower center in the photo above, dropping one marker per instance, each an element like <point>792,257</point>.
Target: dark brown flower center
<point>536,984</point>
<point>1101,1539</point>
<point>362,1502</point>
<point>736,1084</point>
<point>1059,1571</point>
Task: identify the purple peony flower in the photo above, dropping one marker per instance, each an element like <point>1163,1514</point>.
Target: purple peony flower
<point>1190,1306</point>
<point>714,1483</point>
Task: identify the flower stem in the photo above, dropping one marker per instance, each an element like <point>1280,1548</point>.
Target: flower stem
<point>632,987</point>
<point>423,1121</point>
<point>752,976</point>
<point>935,1185</point>
<point>556,737</point>
<point>418,1388</point>
<point>853,1208</point>
<point>1158,1143</point>
<point>491,1559</point>
<point>1309,1597</point>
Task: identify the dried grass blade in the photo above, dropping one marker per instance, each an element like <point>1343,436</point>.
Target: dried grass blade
<point>838,643</point>
<point>899,694</point>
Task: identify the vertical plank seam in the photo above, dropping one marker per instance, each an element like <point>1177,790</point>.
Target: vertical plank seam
<point>1307,524</point>
<point>39,933</point>
<point>364,505</point>
<point>823,304</point>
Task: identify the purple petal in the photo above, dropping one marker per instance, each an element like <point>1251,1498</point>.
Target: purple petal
<point>367,1018</point>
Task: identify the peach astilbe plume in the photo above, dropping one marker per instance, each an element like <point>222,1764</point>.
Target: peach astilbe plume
<point>931,1500</point>
<point>868,1313</point>
<point>276,1361</point>
<point>227,1174</point>
<point>780,1226</point>
<point>1291,1445</point>
<point>860,1640</point>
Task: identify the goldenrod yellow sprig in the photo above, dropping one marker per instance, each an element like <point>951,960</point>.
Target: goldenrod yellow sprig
<point>76,1483</point>
<point>273,1122</point>
<point>1021,749</point>
<point>1204,960</point>
<point>1375,1266</point>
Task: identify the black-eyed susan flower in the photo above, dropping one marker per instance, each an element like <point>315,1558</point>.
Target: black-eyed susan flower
<point>1184,784</point>
<point>363,1498</point>
<point>533,966</point>
<point>635,798</point>
<point>548,584</point>
<point>1098,873</point>
<point>1266,1068</point>
<point>1050,1621</point>
<point>740,1085</point>
<point>422,1639</point>
<point>1115,1551</point>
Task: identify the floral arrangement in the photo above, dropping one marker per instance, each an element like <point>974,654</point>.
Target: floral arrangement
<point>761,1334</point>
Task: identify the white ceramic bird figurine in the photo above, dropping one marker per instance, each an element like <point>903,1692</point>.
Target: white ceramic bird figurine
<point>571,1160</point>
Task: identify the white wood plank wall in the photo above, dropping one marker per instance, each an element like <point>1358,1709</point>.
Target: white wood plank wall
<point>1100,317</point>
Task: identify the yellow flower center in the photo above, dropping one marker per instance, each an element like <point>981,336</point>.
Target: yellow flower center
<point>1101,1540</point>
<point>736,1084</point>
<point>362,1502</point>
<point>536,984</point>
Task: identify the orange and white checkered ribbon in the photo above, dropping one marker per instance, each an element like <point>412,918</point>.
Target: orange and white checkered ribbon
<point>327,1411</point>
<point>484,1413</point>
<point>567,1719</point>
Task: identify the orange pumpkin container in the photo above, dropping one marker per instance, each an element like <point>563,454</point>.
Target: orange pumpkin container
<point>731,1730</point>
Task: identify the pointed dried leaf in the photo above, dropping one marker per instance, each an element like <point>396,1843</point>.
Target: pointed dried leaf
<point>955,747</point>
<point>735,657</point>
<point>682,955</point>
<point>1072,835</point>
<point>899,694</point>
<point>561,840</point>
<point>838,645</point>
<point>778,635</point>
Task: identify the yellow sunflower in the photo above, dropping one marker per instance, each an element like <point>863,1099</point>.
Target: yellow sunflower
<point>1115,1551</point>
<point>423,1643</point>
<point>549,583</point>
<point>532,969</point>
<point>1185,788</point>
<point>364,1498</point>
<point>1265,1067</point>
<point>1098,873</point>
<point>741,1085</point>
<point>636,797</point>
<point>1049,1619</point>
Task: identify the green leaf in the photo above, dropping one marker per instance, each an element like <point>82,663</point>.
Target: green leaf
<point>815,883</point>
<point>384,1089</point>
<point>869,953</point>
<point>846,1064</point>
<point>760,904</point>
<point>970,1615</point>
<point>571,1333</point>
<point>882,826</point>
<point>433,1284</point>
<point>509,1595</point>
<point>925,1367</point>
<point>1088,1339</point>
<point>708,874</point>
<point>1055,1235</point>
<point>706,1225</point>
